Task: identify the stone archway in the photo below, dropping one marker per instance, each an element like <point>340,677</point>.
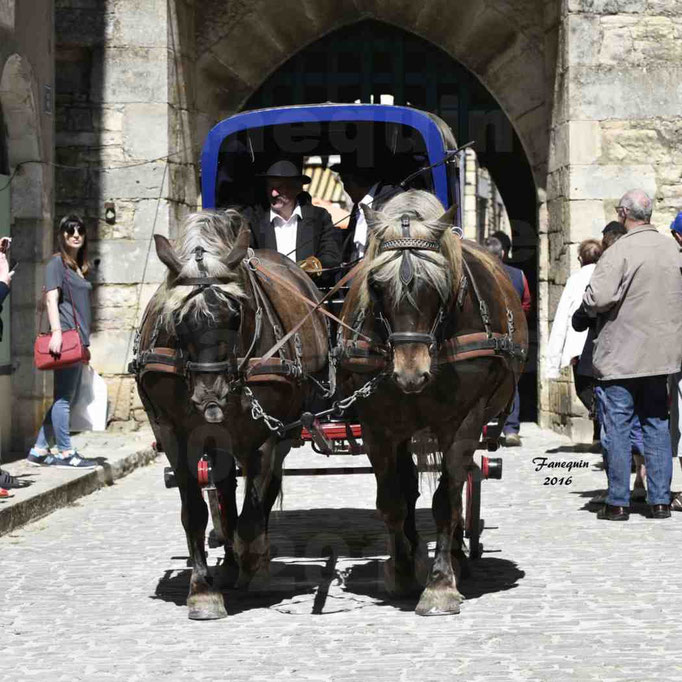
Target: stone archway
<point>510,47</point>
<point>30,225</point>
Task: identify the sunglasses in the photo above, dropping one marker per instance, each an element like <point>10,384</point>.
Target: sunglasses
<point>74,229</point>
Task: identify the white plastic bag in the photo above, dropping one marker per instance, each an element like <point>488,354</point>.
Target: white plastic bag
<point>89,409</point>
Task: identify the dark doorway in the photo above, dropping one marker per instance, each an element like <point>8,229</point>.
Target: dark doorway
<point>374,62</point>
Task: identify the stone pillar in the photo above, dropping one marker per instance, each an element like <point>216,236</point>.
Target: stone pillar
<point>615,127</point>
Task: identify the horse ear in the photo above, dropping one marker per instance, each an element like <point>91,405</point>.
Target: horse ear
<point>371,216</point>
<point>238,251</point>
<point>448,218</point>
<point>166,255</point>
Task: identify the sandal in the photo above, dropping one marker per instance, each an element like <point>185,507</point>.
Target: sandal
<point>676,502</point>
<point>8,481</point>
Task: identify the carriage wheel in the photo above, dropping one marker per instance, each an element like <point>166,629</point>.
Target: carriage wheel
<point>473,524</point>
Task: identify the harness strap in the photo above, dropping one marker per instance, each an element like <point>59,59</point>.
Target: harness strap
<point>482,305</point>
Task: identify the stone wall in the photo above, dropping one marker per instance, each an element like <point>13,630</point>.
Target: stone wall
<point>123,126</point>
<point>615,126</point>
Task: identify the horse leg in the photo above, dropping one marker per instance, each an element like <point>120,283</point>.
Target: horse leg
<point>394,506</point>
<point>203,601</point>
<point>262,486</point>
<point>227,488</point>
<point>441,596</point>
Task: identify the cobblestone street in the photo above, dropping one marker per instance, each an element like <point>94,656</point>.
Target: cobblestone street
<point>96,591</point>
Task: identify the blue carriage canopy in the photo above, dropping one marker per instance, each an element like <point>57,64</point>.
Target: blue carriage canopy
<point>394,141</point>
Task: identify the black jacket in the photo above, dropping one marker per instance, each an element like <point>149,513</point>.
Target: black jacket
<point>580,322</point>
<point>345,236</point>
<point>4,290</point>
<point>314,237</point>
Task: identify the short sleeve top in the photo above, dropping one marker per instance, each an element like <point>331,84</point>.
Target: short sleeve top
<point>71,286</point>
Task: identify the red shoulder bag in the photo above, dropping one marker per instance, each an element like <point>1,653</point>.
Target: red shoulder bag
<point>73,350</point>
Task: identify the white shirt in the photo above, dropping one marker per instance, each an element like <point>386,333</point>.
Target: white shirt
<point>565,343</point>
<point>360,238</point>
<point>285,231</point>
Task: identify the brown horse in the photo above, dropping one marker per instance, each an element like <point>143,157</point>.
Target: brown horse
<point>450,335</point>
<point>201,383</point>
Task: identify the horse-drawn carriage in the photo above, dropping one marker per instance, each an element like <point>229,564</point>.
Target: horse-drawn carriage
<point>236,344</point>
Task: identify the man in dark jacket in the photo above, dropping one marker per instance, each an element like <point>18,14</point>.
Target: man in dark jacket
<point>291,224</point>
<point>494,244</point>
<point>363,186</point>
<point>6,481</point>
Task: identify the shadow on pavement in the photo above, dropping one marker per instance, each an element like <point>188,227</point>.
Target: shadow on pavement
<point>311,550</point>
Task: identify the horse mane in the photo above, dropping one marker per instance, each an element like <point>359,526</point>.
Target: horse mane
<point>216,233</point>
<point>443,269</point>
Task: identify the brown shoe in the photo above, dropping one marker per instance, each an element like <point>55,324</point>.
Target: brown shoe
<point>660,511</point>
<point>611,512</point>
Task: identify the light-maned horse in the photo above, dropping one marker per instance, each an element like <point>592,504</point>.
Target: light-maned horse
<point>202,332</point>
<point>419,288</point>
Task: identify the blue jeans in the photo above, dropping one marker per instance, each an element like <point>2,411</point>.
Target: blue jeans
<point>55,426</point>
<point>513,423</point>
<point>636,438</point>
<point>622,401</point>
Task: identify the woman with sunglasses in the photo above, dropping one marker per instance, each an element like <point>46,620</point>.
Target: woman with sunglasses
<point>68,292</point>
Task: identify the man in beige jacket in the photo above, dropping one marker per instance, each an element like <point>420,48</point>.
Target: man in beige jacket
<point>636,290</point>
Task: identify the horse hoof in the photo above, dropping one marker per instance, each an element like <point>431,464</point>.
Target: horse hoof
<point>206,606</point>
<point>439,602</point>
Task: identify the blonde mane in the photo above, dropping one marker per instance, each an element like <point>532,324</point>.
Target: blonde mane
<point>440,270</point>
<point>216,233</point>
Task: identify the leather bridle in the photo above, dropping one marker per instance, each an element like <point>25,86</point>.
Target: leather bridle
<point>406,248</point>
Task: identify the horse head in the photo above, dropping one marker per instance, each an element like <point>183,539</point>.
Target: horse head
<point>413,262</point>
<point>203,306</point>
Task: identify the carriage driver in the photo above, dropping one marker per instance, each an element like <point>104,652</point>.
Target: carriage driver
<point>292,225</point>
<point>363,186</point>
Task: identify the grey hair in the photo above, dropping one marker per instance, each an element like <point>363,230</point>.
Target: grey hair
<point>494,245</point>
<point>441,271</point>
<point>216,233</point>
<point>639,205</point>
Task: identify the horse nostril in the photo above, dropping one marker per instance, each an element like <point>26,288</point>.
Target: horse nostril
<point>396,378</point>
<point>426,377</point>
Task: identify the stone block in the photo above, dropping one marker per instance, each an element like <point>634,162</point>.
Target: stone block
<point>558,147</point>
<point>109,118</point>
<point>637,142</point>
<point>138,182</point>
<point>610,182</point>
<point>584,33</point>
<point>120,391</point>
<point>607,6</point>
<point>639,40</point>
<point>131,74</point>
<point>111,351</point>
<point>137,24</point>
<point>585,144</point>
<point>621,93</point>
<point>586,220</point>
<point>151,216</point>
<point>145,130</point>
<point>123,262</point>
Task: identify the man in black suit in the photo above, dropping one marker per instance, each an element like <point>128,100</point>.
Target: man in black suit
<point>363,186</point>
<point>291,224</point>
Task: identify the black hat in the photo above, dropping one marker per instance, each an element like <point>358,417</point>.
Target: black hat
<point>284,169</point>
<point>350,165</point>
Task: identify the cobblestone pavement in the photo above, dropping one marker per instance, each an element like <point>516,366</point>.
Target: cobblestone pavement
<point>96,591</point>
